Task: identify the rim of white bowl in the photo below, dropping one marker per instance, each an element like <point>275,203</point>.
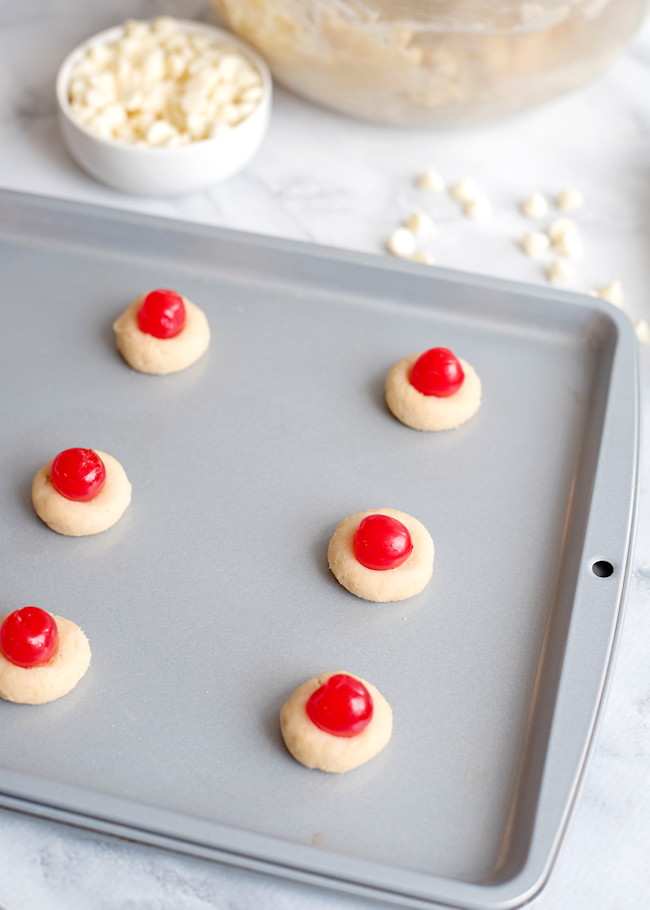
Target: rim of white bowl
<point>188,25</point>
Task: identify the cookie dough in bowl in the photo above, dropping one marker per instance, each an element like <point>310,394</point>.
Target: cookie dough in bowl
<point>76,517</point>
<point>41,682</point>
<point>404,549</point>
<point>359,715</point>
<point>432,411</point>
<point>168,344</point>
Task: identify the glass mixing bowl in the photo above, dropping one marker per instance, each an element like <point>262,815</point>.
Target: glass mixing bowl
<point>434,62</point>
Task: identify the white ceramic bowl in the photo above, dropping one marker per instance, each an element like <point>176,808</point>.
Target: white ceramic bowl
<point>163,171</point>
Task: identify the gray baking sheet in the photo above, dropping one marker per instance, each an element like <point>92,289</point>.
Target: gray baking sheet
<point>211,599</point>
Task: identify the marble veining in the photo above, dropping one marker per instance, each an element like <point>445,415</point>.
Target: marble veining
<point>326,179</point>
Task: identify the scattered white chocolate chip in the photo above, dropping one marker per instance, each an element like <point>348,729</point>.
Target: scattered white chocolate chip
<point>431,182</point>
<point>559,272</point>
<point>159,85</point>
<point>560,227</point>
<point>465,190</point>
<point>419,223</point>
<point>569,200</point>
<point>535,244</point>
<point>401,243</point>
<point>612,292</point>
<point>535,206</point>
<point>478,208</point>
<point>423,256</point>
<point>642,329</point>
<point>569,243</point>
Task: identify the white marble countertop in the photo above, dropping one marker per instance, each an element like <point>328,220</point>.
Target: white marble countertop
<point>323,178</point>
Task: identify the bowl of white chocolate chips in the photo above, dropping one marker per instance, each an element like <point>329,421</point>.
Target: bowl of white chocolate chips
<point>163,107</point>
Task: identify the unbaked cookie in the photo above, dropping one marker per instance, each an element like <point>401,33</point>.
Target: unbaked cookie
<point>453,390</point>
<point>52,655</point>
<point>355,710</point>
<point>68,513</point>
<point>377,560</point>
<point>176,333</point>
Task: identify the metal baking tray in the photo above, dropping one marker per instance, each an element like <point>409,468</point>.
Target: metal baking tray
<point>211,599</point>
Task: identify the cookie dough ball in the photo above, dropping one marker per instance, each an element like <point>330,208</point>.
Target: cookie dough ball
<point>335,722</point>
<point>69,515</point>
<point>161,332</point>
<point>381,560</point>
<point>448,390</point>
<point>42,657</point>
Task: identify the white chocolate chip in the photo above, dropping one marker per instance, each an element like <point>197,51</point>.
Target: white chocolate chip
<point>230,66</point>
<point>246,109</point>
<point>175,66</point>
<point>98,125</point>
<point>78,89</point>
<point>465,190</point>
<point>569,243</point>
<point>535,244</point>
<point>197,126</point>
<point>479,208</point>
<point>535,206</point>
<point>133,102</point>
<point>137,30</point>
<point>98,100</point>
<point>559,272</point>
<point>612,292</point>
<point>141,122</point>
<point>153,67</point>
<point>642,329</point>
<point>423,256</point>
<point>100,55</point>
<point>401,243</point>
<point>560,227</point>
<point>114,115</point>
<point>431,181</point>
<point>252,93</point>
<point>124,133</point>
<point>103,82</point>
<point>569,200</point>
<point>160,132</point>
<point>130,48</point>
<point>419,223</point>
<point>230,114</point>
<point>123,70</point>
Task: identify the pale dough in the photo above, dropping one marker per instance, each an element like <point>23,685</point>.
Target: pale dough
<point>77,519</point>
<point>315,748</point>
<point>381,585</point>
<point>428,412</point>
<point>147,354</point>
<point>428,64</point>
<point>62,672</point>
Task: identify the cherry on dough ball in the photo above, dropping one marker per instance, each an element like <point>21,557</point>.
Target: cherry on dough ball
<point>162,314</point>
<point>28,637</point>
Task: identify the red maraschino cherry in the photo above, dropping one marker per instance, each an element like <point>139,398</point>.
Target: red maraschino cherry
<point>162,314</point>
<point>437,372</point>
<point>28,637</point>
<point>342,706</point>
<point>382,542</point>
<point>78,474</point>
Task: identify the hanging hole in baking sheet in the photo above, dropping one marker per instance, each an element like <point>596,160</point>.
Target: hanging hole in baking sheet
<point>602,568</point>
